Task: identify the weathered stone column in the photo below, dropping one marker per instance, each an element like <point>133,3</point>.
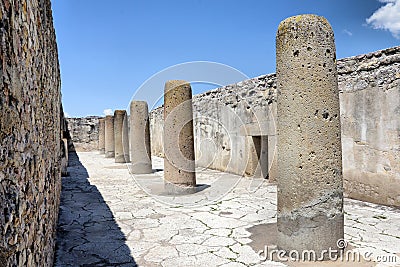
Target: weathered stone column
<point>109,136</point>
<point>101,136</point>
<point>64,158</point>
<point>310,182</point>
<point>179,161</point>
<point>121,136</point>
<point>140,138</point>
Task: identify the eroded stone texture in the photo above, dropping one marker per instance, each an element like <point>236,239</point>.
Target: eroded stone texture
<point>140,138</point>
<point>109,144</point>
<point>310,183</point>
<point>64,157</point>
<point>30,134</point>
<point>101,135</point>
<point>370,108</point>
<point>121,137</point>
<point>179,164</point>
<point>84,133</point>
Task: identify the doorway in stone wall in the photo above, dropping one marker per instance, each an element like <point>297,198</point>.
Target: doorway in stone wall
<point>257,166</point>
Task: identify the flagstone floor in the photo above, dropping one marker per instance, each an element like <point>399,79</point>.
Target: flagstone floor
<point>111,218</point>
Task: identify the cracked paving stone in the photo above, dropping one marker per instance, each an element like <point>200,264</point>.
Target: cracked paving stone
<point>226,253</point>
<point>106,219</point>
<point>191,249</point>
<point>160,253</point>
<point>219,241</point>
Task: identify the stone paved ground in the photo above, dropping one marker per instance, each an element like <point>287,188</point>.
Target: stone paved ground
<point>110,218</point>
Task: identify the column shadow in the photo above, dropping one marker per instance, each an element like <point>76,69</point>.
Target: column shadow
<point>87,233</point>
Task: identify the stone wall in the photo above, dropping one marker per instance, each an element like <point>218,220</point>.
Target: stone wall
<point>225,119</point>
<point>235,126</point>
<point>30,133</point>
<point>370,116</point>
<point>84,133</point>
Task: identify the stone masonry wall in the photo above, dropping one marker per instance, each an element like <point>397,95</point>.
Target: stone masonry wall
<point>231,121</point>
<point>370,117</point>
<point>227,120</point>
<point>220,118</point>
<point>84,133</point>
<point>30,135</point>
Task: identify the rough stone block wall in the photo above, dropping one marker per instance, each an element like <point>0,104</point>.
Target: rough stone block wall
<point>219,118</point>
<point>370,117</point>
<point>30,133</point>
<point>84,133</point>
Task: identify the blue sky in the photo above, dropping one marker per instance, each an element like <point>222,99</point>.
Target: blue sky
<point>108,49</point>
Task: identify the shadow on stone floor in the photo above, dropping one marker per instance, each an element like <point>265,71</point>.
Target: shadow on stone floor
<point>87,233</point>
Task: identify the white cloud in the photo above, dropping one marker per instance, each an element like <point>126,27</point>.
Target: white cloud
<point>66,115</point>
<point>349,33</point>
<point>387,17</point>
<point>108,112</point>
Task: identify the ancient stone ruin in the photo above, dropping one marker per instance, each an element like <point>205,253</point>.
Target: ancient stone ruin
<point>109,137</point>
<point>310,180</point>
<point>179,165</point>
<point>102,128</point>
<point>140,138</point>
<point>121,138</point>
<point>286,149</point>
<point>31,131</point>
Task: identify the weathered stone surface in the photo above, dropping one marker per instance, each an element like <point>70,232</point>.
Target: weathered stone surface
<point>310,181</point>
<point>109,142</point>
<point>30,134</point>
<point>87,233</point>
<point>121,137</point>
<point>102,130</point>
<point>369,87</point>
<point>220,117</point>
<point>84,133</point>
<point>179,165</point>
<point>108,205</point>
<point>370,113</point>
<point>64,157</point>
<point>370,104</point>
<point>140,138</point>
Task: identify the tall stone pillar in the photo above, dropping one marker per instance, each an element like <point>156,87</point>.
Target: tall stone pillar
<point>109,136</point>
<point>310,182</point>
<point>121,136</point>
<point>101,136</point>
<point>179,161</point>
<point>140,138</point>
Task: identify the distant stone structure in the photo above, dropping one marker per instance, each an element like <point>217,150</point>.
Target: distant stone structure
<point>102,131</point>
<point>31,131</point>
<point>310,181</point>
<point>370,123</point>
<point>370,119</point>
<point>109,142</point>
<point>84,133</point>
<point>179,162</point>
<point>140,138</point>
<point>121,136</point>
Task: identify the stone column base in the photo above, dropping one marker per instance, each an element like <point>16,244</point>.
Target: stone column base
<point>179,189</point>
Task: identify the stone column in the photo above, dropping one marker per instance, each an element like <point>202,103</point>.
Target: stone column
<point>310,182</point>
<point>179,161</point>
<point>109,136</point>
<point>121,136</point>
<point>101,136</point>
<point>140,138</point>
<point>272,158</point>
<point>64,158</point>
